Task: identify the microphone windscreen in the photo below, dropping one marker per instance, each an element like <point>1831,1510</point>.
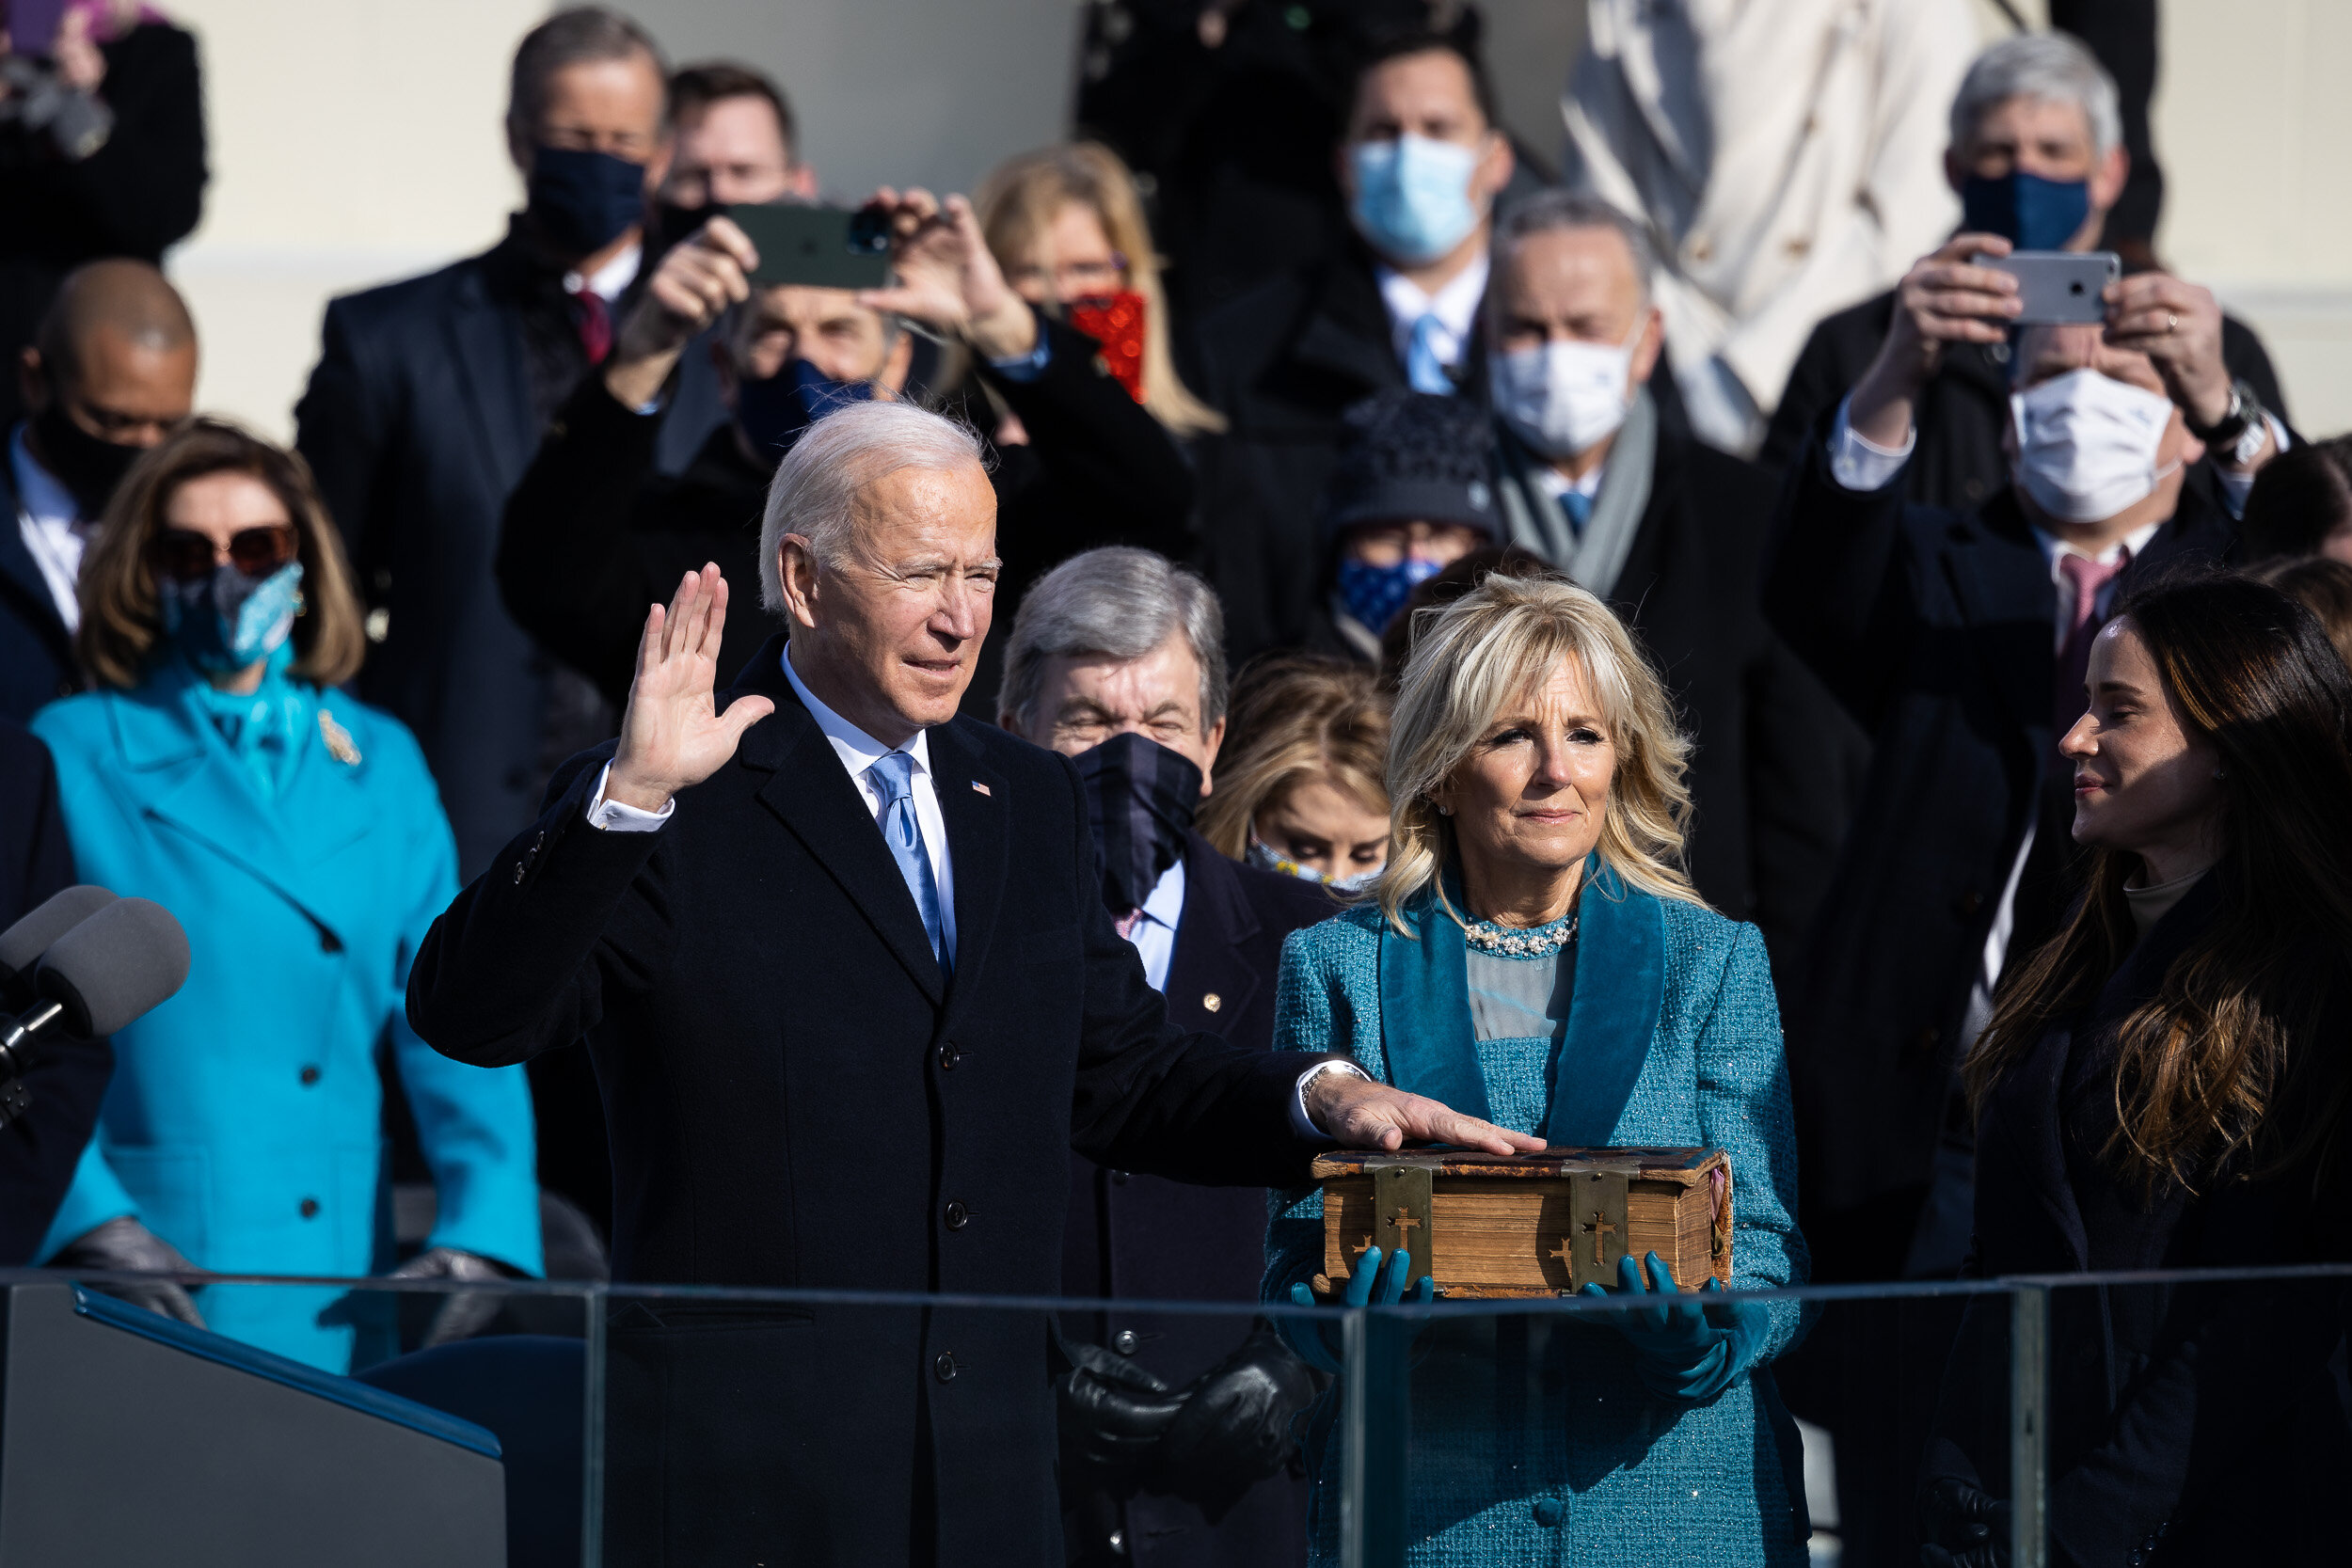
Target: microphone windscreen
<point>23,944</point>
<point>128,957</point>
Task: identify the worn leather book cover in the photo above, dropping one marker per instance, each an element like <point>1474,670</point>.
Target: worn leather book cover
<point>1484,1226</point>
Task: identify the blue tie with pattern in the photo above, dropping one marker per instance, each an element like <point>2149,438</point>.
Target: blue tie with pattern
<point>1423,371</point>
<point>893,779</point>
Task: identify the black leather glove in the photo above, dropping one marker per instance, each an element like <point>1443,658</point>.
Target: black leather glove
<point>1235,1427</point>
<point>1966,1527</point>
<point>1112,1415</point>
<point>124,1246</point>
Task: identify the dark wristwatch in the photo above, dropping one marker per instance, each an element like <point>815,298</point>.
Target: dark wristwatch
<point>2244,414</point>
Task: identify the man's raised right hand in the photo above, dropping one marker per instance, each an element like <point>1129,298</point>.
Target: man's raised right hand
<point>673,736</point>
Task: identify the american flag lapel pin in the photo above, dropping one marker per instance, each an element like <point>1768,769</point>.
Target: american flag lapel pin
<point>980,787</point>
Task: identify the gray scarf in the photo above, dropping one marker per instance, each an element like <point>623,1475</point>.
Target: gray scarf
<point>1537,521</point>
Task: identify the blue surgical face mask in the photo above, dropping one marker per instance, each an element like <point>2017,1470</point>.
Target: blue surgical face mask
<point>1346,887</point>
<point>584,201</point>
<point>229,621</point>
<point>1412,196</point>
<point>1374,594</point>
<point>2030,212</point>
<point>773,413</point>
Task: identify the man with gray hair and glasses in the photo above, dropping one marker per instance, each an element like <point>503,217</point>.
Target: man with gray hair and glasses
<point>1117,661</point>
<point>2037,160</point>
<point>1670,531</point>
<point>842,965</point>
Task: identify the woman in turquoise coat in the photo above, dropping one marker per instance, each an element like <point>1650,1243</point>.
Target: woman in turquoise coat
<point>301,843</point>
<point>1536,955</point>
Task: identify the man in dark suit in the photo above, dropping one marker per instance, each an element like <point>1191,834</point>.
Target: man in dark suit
<point>1399,309</point>
<point>1958,639</point>
<point>111,372</point>
<point>64,1082</point>
<point>1670,531</point>
<point>2038,158</point>
<point>842,964</point>
<point>1177,1436</point>
<point>428,402</point>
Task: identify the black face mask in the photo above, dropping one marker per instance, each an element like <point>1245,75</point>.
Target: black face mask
<point>584,201</point>
<point>84,464</point>
<point>1140,800</point>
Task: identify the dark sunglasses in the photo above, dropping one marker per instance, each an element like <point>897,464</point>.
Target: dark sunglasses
<point>186,556</point>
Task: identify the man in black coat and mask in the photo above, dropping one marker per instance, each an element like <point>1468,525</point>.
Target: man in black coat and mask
<point>111,372</point>
<point>428,401</point>
<point>841,960</point>
<point>1176,1431</point>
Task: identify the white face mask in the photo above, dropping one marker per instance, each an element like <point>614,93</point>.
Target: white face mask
<point>1565,397</point>
<point>2087,444</point>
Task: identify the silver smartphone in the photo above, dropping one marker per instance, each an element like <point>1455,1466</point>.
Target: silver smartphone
<point>2060,287</point>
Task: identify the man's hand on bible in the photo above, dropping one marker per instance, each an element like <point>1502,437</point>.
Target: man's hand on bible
<point>1360,1113</point>
<point>673,736</point>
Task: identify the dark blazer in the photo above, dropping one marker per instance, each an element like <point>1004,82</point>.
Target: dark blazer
<point>1963,409</point>
<point>419,420</point>
<point>137,196</point>
<point>798,1099</point>
<point>1117,1246</point>
<point>65,1081</point>
<point>2205,1412</point>
<point>36,651</point>
<point>1935,629</point>
<point>1282,363</point>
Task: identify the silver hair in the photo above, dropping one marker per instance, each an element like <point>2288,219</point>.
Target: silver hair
<point>2052,67</point>
<point>578,36</point>
<point>1553,208</point>
<point>816,488</point>
<point>1117,602</point>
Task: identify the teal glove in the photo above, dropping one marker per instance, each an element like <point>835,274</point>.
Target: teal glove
<point>1317,1341</point>
<point>1686,1347</point>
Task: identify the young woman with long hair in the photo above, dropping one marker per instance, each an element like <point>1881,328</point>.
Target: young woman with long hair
<point>2163,1086</point>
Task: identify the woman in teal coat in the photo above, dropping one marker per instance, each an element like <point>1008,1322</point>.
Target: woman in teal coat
<point>300,841</point>
<point>1534,955</point>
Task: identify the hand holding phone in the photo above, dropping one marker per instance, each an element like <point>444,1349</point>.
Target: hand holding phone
<point>2058,288</point>
<point>815,247</point>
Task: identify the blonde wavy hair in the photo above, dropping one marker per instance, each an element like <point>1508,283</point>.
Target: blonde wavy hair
<point>1475,656</point>
<point>1297,717</point>
<point>1017,205</point>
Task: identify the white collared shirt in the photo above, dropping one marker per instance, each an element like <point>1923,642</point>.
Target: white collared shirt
<point>50,521</point>
<point>858,752</point>
<point>608,280</point>
<point>1454,303</point>
<point>1154,931</point>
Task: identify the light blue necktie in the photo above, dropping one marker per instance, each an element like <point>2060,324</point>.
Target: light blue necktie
<point>894,777</point>
<point>1579,507</point>
<point>1424,370</point>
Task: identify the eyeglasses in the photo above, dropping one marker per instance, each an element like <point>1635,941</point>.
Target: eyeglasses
<point>1072,280</point>
<point>185,555</point>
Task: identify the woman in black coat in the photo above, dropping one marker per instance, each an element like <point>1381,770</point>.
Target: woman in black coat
<point>2163,1087</point>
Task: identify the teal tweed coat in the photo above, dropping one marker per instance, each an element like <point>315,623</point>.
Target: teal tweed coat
<point>1532,1440</point>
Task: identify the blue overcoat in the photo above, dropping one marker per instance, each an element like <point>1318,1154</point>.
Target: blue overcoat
<point>243,1123</point>
<point>1533,1439</point>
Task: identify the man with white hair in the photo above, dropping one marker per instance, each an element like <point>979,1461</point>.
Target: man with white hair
<point>2037,157</point>
<point>1117,661</point>
<point>841,962</point>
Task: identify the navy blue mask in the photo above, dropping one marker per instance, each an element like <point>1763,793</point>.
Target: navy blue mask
<point>584,201</point>
<point>773,413</point>
<point>2030,212</point>
<point>1140,798</point>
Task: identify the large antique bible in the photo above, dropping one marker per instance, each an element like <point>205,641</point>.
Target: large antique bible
<point>1527,1224</point>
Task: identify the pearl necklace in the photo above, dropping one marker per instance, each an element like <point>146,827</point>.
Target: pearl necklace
<point>1539,942</point>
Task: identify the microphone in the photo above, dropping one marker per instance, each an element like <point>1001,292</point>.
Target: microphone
<point>23,944</point>
<point>104,972</point>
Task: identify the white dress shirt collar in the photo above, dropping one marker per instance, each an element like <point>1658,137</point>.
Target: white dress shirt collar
<point>608,280</point>
<point>857,749</point>
<point>49,519</point>
<point>1456,305</point>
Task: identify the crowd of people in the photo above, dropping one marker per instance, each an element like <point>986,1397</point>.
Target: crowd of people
<point>1659,657</point>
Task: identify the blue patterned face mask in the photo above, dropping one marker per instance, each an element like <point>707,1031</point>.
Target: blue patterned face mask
<point>1282,865</point>
<point>774,412</point>
<point>1374,594</point>
<point>227,621</point>
<point>1412,196</point>
<point>2030,212</point>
